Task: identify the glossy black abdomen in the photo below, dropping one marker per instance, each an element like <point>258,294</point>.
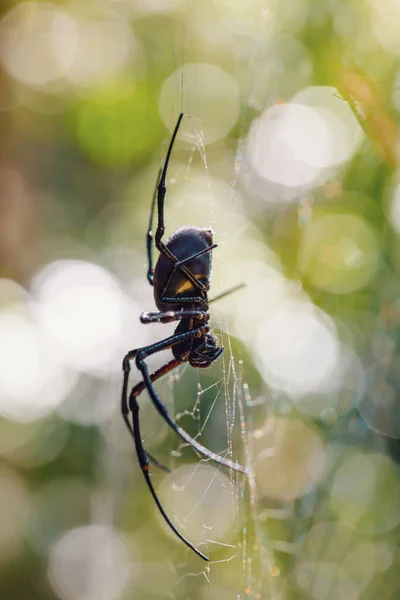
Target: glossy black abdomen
<point>185,242</point>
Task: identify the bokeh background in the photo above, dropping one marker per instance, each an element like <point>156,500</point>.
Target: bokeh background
<point>289,151</point>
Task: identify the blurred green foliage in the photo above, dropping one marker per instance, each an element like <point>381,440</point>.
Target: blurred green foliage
<point>82,139</point>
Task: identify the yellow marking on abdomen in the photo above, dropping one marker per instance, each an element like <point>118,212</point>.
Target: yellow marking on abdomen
<point>187,284</point>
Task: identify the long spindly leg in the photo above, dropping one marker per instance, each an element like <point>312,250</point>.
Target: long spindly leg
<point>157,347</point>
<point>231,290</point>
<point>167,343</point>
<point>157,463</point>
<point>173,315</point>
<point>149,236</point>
<point>196,255</point>
<point>136,391</point>
<point>162,409</point>
<point>162,188</point>
<point>144,465</point>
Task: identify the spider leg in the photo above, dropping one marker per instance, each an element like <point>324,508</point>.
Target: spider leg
<point>157,463</point>
<point>200,253</point>
<point>143,456</point>
<point>162,409</point>
<point>162,188</point>
<point>144,465</point>
<point>147,351</point>
<point>149,236</point>
<point>231,290</point>
<point>172,315</point>
<point>168,342</point>
<point>136,391</point>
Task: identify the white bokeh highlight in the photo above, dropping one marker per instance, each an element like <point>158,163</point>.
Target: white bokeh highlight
<point>83,311</point>
<point>201,497</point>
<point>42,44</point>
<point>276,141</point>
<point>289,459</point>
<point>292,147</point>
<point>345,131</point>
<point>371,504</point>
<point>384,20</point>
<point>90,562</point>
<point>298,350</point>
<point>33,380</point>
<point>38,43</point>
<point>200,90</point>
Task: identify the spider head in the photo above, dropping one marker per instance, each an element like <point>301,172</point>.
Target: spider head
<point>204,351</point>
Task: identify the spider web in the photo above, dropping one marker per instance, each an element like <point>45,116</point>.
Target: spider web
<point>237,551</point>
<point>213,507</point>
<point>251,540</point>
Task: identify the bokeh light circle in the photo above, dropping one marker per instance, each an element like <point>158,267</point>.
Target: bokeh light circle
<point>204,91</point>
<point>104,44</point>
<point>56,507</point>
<point>365,493</point>
<point>297,349</point>
<point>82,311</point>
<point>339,253</point>
<point>202,497</point>
<point>115,123</point>
<point>384,18</point>
<point>279,137</point>
<point>378,404</point>
<point>345,131</point>
<point>90,562</point>
<point>358,557</point>
<point>289,460</point>
<point>38,43</point>
<point>33,380</point>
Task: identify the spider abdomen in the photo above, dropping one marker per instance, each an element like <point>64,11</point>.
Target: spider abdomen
<point>171,281</point>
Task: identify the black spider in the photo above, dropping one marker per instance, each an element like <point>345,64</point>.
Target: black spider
<point>181,282</point>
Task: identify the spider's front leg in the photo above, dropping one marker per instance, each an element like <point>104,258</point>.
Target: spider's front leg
<point>159,196</point>
<point>149,235</point>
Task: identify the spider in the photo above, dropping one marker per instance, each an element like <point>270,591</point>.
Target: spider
<point>181,280</point>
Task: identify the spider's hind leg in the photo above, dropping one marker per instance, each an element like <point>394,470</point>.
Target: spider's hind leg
<point>156,463</point>
<point>144,465</point>
<point>162,409</point>
<point>135,392</point>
